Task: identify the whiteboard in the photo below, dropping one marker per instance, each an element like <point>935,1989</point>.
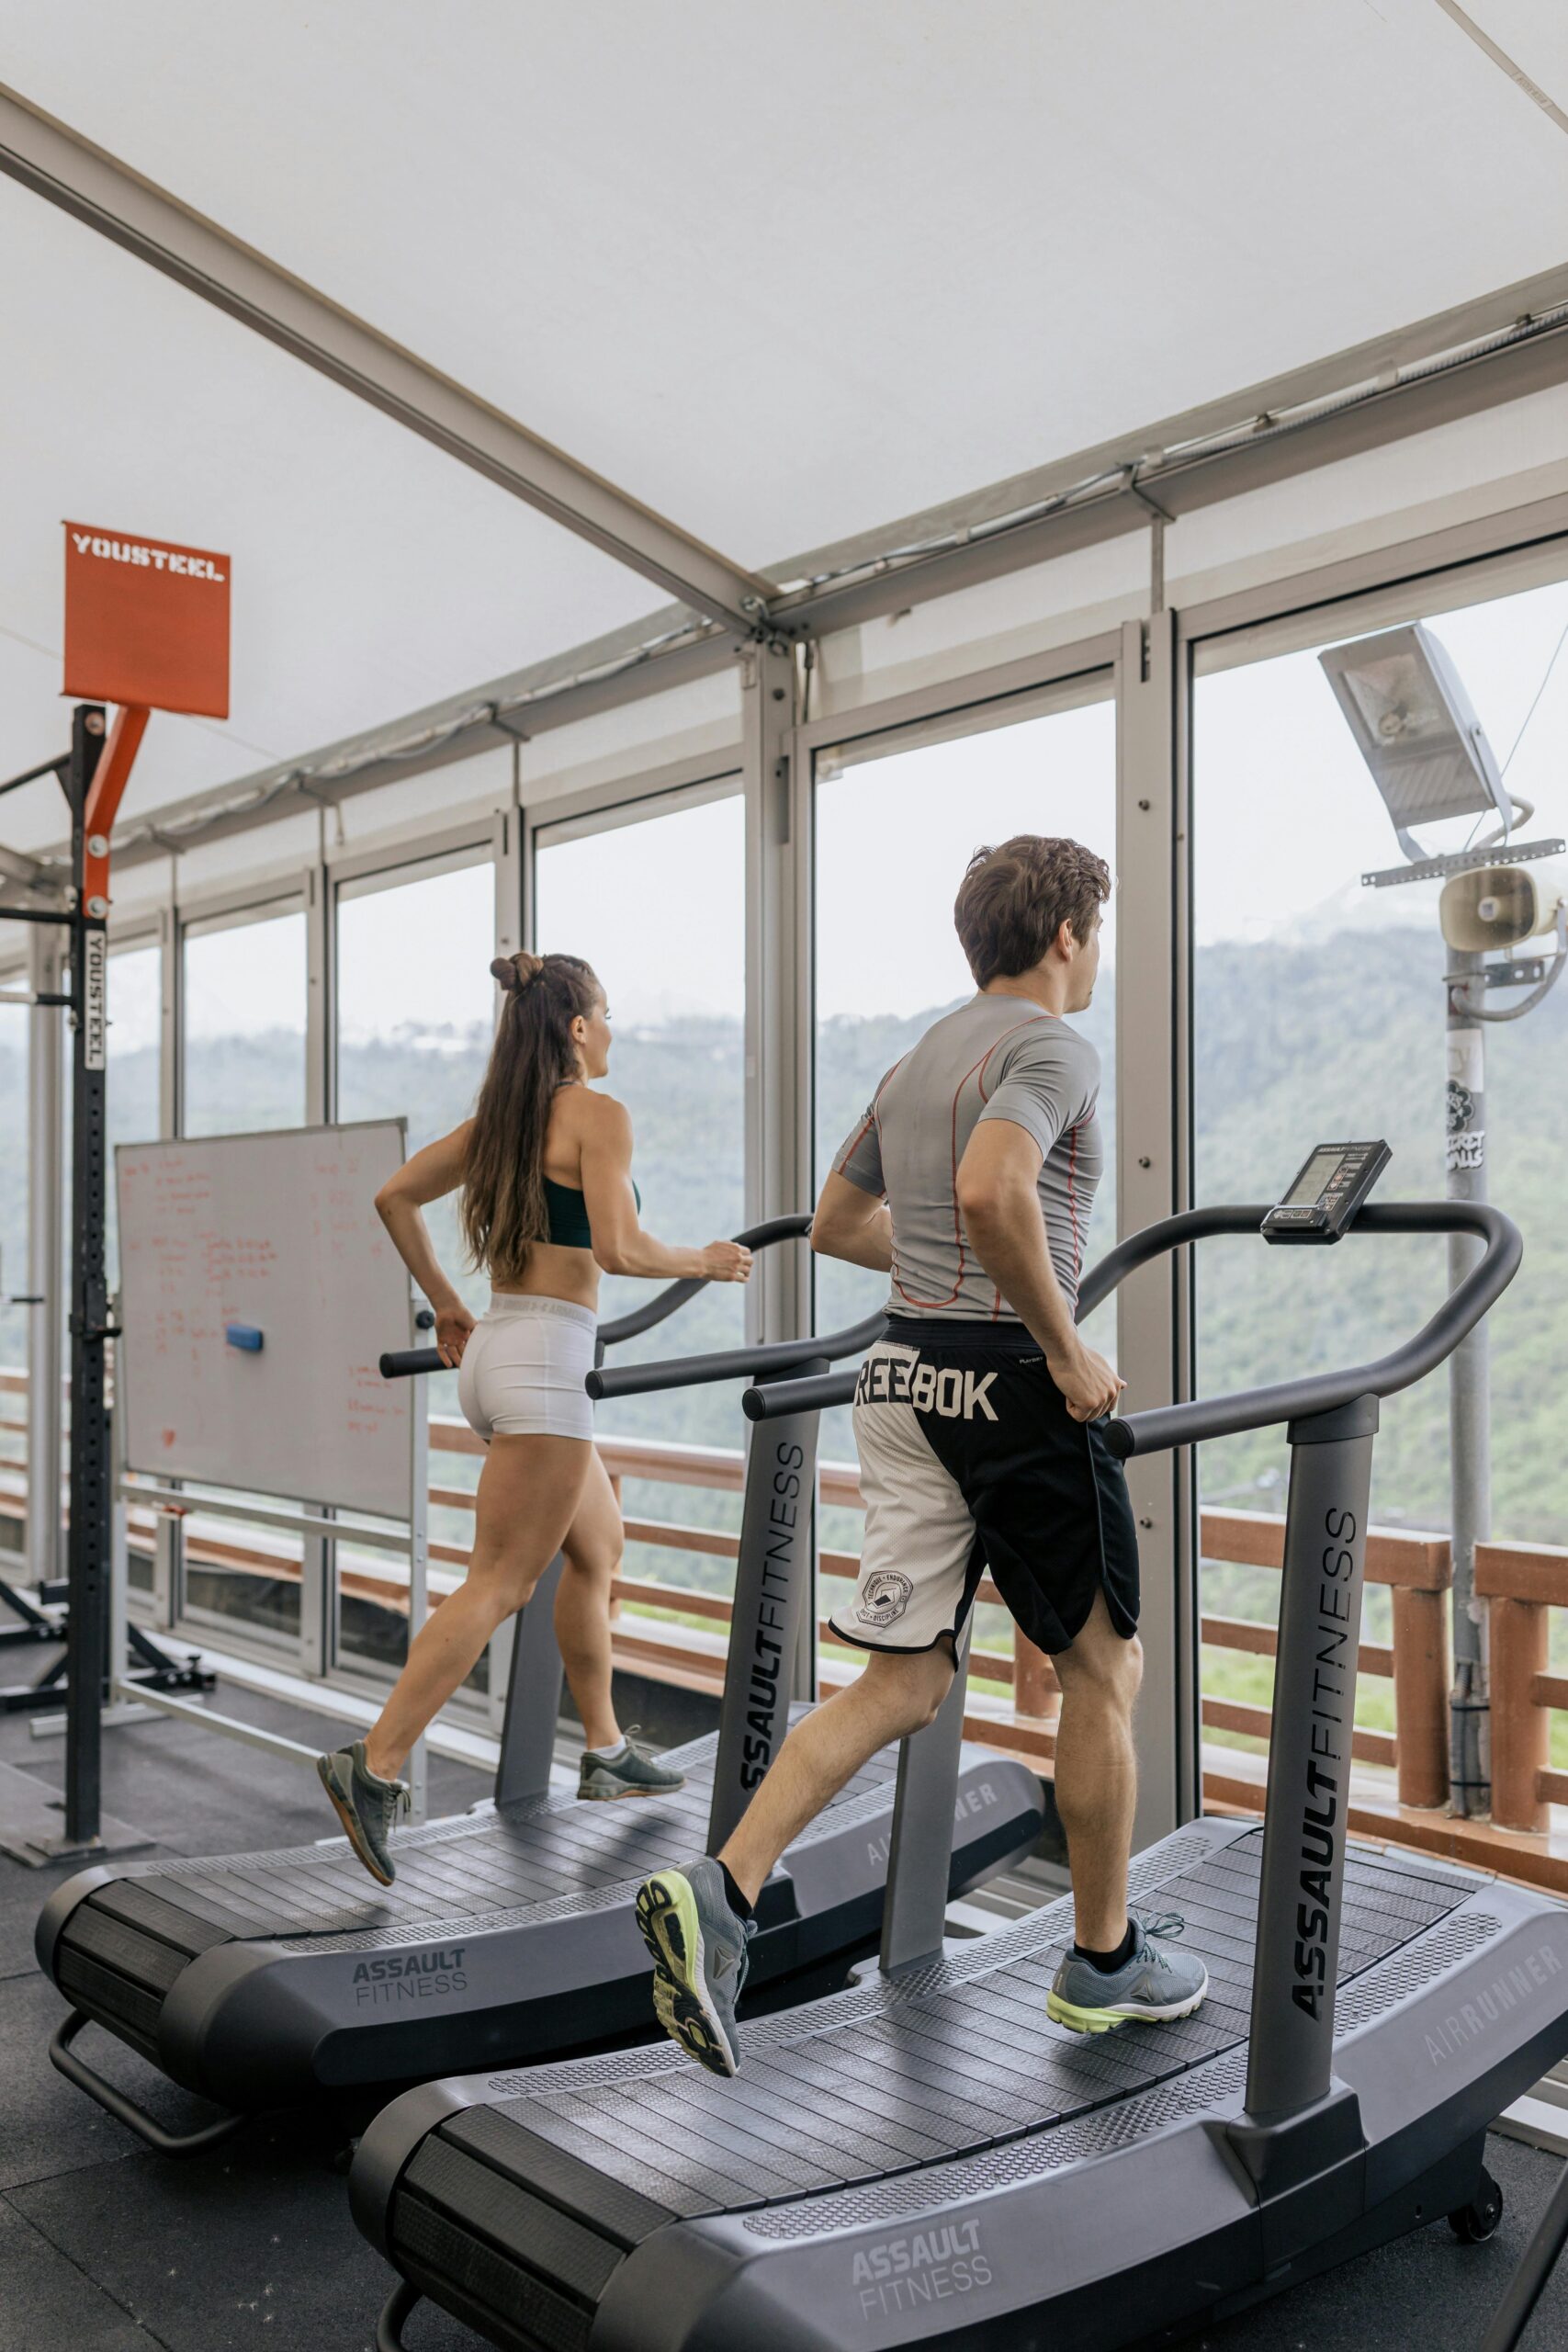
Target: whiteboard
<point>277,1234</point>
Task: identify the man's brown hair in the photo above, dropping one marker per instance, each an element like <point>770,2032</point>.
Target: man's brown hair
<point>1014,899</point>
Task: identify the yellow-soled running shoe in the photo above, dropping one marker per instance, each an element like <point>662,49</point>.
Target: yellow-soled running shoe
<point>700,1955</point>
<point>1152,1987</point>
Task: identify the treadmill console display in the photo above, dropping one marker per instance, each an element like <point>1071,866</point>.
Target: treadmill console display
<point>1329,1188</point>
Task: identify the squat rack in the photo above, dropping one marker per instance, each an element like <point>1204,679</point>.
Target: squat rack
<point>93,776</point>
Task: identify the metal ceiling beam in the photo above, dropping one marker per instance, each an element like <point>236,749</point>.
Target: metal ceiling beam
<point>95,187</point>
<point>988,546</point>
<point>15,867</point>
<point>270,794</point>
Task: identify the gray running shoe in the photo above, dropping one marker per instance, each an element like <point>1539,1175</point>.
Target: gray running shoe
<point>700,1958</point>
<point>366,1806</point>
<point>636,1772</point>
<point>1151,1986</point>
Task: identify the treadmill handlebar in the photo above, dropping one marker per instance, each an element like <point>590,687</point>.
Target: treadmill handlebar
<point>664,1302</point>
<point>1325,1391</point>
<point>1251,1408</point>
<point>737,1364</point>
<point>817,1395</point>
<point>406,1364</point>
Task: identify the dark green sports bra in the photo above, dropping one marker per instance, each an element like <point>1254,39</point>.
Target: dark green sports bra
<point>568,1212</point>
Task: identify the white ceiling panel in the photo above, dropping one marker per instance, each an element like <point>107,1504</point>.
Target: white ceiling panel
<point>787,276</point>
<point>372,574</point>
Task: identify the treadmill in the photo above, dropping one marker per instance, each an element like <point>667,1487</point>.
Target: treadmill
<point>271,1980</point>
<point>926,2158</point>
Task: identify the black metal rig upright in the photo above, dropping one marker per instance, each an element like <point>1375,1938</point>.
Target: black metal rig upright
<point>85,919</point>
<point>87,1552</point>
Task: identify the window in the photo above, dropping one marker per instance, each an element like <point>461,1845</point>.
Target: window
<point>134,992</point>
<point>895,826</point>
<point>896,822</point>
<point>656,903</point>
<point>245,1070</point>
<point>245,1025</point>
<point>658,907</point>
<point>1319,1013</point>
<point>415,1015</point>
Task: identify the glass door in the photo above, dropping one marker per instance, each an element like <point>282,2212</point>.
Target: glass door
<point>415,1013</point>
<point>1319,1013</point>
<point>896,820</point>
<point>244,996</point>
<point>652,894</point>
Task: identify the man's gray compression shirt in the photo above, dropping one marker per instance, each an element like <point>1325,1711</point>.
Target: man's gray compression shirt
<point>995,1057</point>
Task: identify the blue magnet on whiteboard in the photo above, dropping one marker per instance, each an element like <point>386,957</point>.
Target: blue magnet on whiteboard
<point>244,1335</point>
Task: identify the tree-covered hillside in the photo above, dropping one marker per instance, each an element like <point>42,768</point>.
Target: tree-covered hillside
<point>1292,1044</point>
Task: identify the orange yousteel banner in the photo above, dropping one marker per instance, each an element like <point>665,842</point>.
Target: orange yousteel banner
<point>146,622</point>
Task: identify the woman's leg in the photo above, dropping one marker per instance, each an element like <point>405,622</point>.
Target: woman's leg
<point>529,1491</point>
<point>593,1546</point>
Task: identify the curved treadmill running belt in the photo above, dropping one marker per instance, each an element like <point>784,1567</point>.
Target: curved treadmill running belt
<point>867,2178</point>
<point>257,1979</point>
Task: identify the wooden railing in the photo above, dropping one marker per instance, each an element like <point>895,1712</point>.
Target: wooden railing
<point>1519,1583</point>
<point>1014,1692</point>
<point>1418,1570</point>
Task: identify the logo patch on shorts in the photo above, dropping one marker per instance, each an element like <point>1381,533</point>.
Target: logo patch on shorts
<point>884,1596</point>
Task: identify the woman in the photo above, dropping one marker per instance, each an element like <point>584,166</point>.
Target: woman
<point>543,1167</point>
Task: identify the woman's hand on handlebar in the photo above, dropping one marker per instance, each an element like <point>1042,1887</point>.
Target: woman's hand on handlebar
<point>453,1325</point>
<point>1088,1383</point>
<point>726,1261</point>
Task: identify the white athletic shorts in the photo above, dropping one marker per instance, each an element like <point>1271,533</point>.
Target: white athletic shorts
<point>524,1367</point>
<point>921,1559</point>
<point>969,1459</point>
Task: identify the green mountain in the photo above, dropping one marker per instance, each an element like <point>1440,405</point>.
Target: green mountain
<point>1293,1044</point>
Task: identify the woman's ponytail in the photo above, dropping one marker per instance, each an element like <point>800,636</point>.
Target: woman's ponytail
<point>503,1209</point>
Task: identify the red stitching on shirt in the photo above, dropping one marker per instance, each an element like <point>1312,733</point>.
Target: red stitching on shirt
<point>1073,1201</point>
<point>1002,1041</point>
<point>877,1096</point>
<point>869,1121</point>
<point>930,1305</point>
<point>855,1141</point>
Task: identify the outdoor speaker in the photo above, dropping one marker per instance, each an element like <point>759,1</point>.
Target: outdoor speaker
<point>1498,906</point>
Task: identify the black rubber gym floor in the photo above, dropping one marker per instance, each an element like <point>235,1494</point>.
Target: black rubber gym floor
<point>104,2246</point>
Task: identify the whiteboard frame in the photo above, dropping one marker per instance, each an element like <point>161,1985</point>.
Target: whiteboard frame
<point>410,1534</point>
<point>124,1356</point>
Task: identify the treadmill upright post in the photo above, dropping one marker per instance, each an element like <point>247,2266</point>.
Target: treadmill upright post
<point>914,1909</point>
<point>773,1583</point>
<point>1295,1968</point>
<point>532,1696</point>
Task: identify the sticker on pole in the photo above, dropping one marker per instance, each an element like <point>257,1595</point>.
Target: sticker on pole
<point>94,994</point>
<point>1466,1051</point>
<point>146,622</point>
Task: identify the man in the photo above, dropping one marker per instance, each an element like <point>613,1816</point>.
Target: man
<point>978,1420</point>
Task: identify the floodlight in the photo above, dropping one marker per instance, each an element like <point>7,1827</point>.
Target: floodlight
<point>1416,730</point>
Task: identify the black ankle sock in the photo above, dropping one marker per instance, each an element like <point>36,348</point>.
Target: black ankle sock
<point>1108,1963</point>
<point>733,1895</point>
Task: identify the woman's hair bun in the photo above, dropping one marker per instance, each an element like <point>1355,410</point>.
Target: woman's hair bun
<point>516,972</point>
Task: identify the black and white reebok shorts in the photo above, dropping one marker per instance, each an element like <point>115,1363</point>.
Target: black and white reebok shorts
<point>969,1459</point>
